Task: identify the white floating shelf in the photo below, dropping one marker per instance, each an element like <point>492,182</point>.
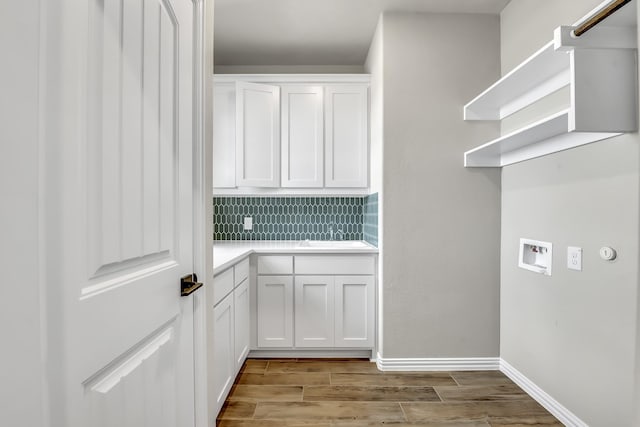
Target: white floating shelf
<point>547,136</point>
<point>541,74</point>
<point>600,69</point>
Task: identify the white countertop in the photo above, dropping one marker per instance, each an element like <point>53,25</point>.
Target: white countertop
<point>225,254</point>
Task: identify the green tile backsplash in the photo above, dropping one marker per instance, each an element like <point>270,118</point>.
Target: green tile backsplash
<point>290,218</point>
<point>370,219</point>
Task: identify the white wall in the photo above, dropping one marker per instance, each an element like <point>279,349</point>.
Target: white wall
<point>572,334</point>
<point>21,363</point>
<point>441,221</point>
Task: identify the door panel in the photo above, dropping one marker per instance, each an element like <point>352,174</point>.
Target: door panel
<point>257,135</point>
<point>314,311</point>
<point>242,314</point>
<point>120,84</point>
<point>224,371</point>
<point>346,136</point>
<point>224,136</point>
<point>302,136</point>
<point>354,311</point>
<point>275,311</point>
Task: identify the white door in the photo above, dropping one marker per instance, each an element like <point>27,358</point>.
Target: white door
<point>302,136</point>
<point>274,300</point>
<point>314,311</point>
<point>224,370</point>
<point>346,136</point>
<point>224,135</point>
<point>257,135</point>
<point>242,314</point>
<point>354,311</point>
<point>118,189</point>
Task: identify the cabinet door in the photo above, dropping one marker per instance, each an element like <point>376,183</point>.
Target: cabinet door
<point>224,360</point>
<point>302,136</point>
<point>354,311</point>
<point>224,135</point>
<point>274,300</point>
<point>314,311</point>
<point>241,307</point>
<point>346,136</point>
<point>257,135</point>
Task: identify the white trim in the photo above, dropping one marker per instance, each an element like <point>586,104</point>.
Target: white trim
<point>202,209</point>
<point>564,415</point>
<point>293,78</point>
<point>439,364</point>
<point>302,354</point>
<point>290,192</point>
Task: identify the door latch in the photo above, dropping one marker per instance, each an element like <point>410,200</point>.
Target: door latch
<point>189,284</point>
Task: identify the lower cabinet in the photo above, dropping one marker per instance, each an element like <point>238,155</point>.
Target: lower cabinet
<point>275,311</point>
<point>322,310</point>
<point>223,354</point>
<point>314,311</point>
<point>231,318</point>
<point>334,311</point>
<point>242,314</point>
<point>355,317</point>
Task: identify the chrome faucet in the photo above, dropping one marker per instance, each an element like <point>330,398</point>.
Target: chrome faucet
<point>335,232</point>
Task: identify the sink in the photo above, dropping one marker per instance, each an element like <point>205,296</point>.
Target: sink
<point>333,244</point>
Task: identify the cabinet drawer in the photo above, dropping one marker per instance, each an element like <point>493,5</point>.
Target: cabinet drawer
<point>222,285</point>
<point>275,264</point>
<point>241,271</point>
<point>352,264</point>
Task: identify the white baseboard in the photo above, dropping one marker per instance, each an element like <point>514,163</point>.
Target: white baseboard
<point>303,354</point>
<point>564,415</point>
<point>439,364</point>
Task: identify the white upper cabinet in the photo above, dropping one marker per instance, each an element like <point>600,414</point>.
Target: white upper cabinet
<point>257,135</point>
<point>291,134</point>
<point>224,135</point>
<point>346,136</point>
<point>302,136</point>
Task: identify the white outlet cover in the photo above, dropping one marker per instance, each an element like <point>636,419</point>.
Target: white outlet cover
<point>574,258</point>
<point>248,223</point>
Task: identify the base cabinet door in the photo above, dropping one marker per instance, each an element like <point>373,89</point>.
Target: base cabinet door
<point>314,304</point>
<point>225,367</point>
<point>354,308</point>
<point>241,309</point>
<point>274,302</point>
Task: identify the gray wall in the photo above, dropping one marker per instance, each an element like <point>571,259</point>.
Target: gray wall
<point>374,65</point>
<point>441,221</point>
<point>572,334</point>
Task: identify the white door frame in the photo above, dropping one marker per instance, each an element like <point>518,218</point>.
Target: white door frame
<point>203,211</point>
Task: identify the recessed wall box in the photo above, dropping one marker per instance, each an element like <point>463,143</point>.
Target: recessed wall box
<point>535,256</point>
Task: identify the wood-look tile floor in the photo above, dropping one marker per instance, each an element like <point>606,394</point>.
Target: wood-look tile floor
<point>353,393</point>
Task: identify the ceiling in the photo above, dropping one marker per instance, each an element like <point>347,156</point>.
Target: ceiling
<point>313,32</point>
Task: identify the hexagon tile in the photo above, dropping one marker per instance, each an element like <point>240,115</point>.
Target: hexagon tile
<point>289,218</point>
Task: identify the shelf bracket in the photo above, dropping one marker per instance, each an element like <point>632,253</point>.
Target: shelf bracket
<point>601,37</point>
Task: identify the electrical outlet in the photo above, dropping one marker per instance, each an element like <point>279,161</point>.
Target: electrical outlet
<point>574,258</point>
<point>248,223</point>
